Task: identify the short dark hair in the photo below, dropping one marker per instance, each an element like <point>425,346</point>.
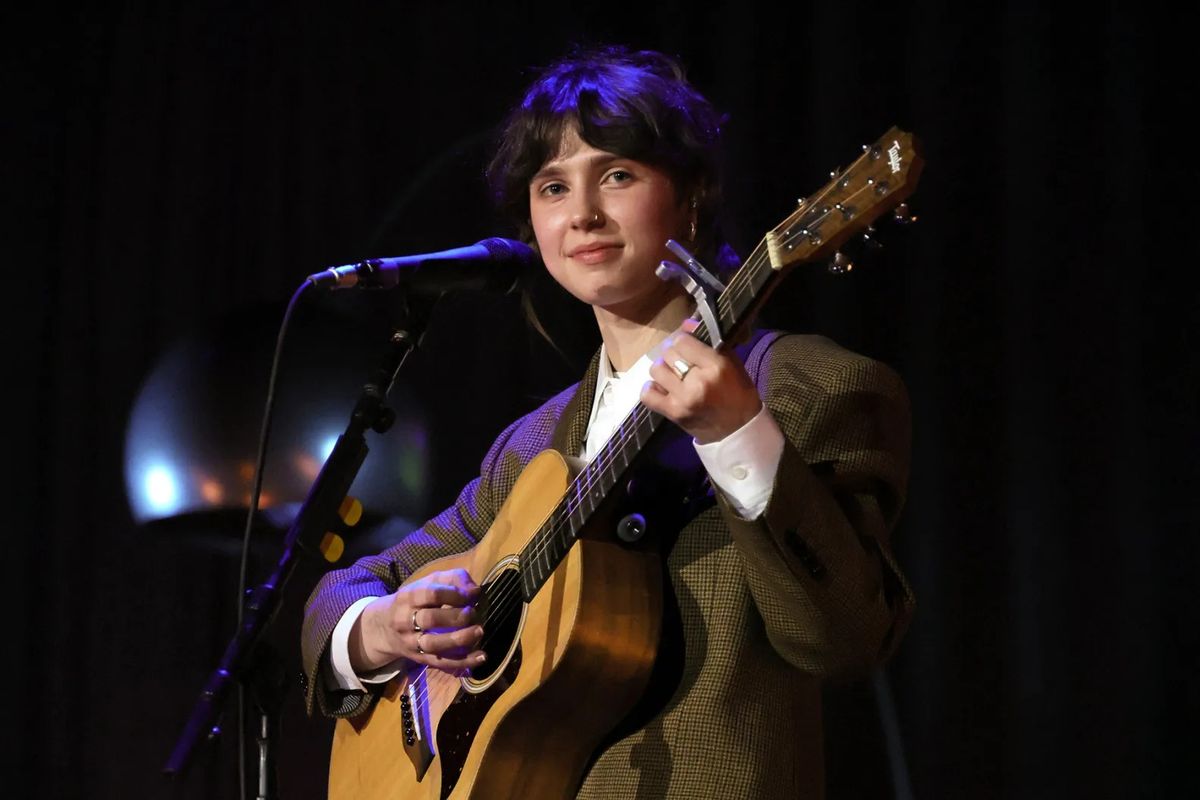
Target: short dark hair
<point>636,104</point>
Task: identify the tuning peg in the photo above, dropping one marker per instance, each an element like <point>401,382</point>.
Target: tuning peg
<point>840,264</point>
<point>869,241</point>
<point>903,216</point>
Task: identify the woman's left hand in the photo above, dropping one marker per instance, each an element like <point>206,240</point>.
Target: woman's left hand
<point>706,393</point>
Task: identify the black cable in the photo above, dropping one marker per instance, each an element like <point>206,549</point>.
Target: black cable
<point>890,722</point>
<point>255,492</point>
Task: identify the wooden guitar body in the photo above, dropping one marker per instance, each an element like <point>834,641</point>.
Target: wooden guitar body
<point>527,728</point>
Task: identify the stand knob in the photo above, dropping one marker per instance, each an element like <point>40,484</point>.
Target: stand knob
<point>631,528</point>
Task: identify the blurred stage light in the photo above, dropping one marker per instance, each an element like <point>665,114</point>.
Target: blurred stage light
<point>193,430</point>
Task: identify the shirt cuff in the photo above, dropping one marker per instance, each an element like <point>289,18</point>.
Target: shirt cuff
<point>341,675</point>
<point>743,465</point>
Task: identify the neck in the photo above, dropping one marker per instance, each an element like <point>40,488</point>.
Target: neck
<point>629,334</point>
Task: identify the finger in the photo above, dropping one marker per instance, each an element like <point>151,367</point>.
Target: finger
<point>653,392</point>
<point>694,351</point>
<point>657,399</point>
<point>675,361</point>
<point>456,577</point>
<point>448,618</point>
<point>436,595</point>
<point>689,325</point>
<point>456,666</point>
<point>665,376</point>
<point>450,645</point>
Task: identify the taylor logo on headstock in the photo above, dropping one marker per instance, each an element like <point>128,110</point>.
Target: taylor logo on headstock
<point>894,156</point>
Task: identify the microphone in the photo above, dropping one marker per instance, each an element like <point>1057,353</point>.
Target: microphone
<point>492,265</point>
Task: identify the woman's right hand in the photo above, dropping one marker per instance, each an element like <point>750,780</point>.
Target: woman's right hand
<point>430,621</point>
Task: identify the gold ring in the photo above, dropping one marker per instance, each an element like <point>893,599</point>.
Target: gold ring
<point>416,628</point>
<point>420,649</point>
<point>681,368</point>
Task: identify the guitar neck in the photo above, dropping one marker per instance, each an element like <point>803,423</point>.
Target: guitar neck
<point>878,180</point>
<point>743,296</point>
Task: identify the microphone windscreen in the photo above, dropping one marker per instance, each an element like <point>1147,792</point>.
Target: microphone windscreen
<point>510,250</point>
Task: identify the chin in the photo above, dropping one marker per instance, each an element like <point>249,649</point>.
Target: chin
<point>597,295</point>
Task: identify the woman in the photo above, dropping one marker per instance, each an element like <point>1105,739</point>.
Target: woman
<point>783,579</point>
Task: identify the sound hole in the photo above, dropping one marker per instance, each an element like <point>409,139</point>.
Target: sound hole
<point>501,611</point>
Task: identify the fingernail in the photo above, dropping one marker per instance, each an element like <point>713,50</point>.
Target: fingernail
<point>482,657</point>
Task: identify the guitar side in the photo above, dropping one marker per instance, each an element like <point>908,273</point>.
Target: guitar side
<point>587,643</point>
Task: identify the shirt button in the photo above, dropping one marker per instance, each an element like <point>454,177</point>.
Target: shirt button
<point>739,472</point>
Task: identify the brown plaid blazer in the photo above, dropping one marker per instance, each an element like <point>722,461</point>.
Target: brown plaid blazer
<point>761,610</point>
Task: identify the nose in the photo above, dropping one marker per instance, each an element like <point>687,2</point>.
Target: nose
<point>587,215</point>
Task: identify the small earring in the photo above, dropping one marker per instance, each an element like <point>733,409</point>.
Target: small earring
<point>692,231</point>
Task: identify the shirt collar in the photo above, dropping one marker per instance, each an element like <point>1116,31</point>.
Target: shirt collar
<point>641,367</point>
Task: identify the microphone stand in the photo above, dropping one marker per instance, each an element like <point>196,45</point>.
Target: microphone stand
<point>247,659</point>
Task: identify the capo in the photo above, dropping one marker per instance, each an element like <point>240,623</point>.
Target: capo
<point>691,274</point>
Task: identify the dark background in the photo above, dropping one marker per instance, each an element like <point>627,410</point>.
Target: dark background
<point>176,170</point>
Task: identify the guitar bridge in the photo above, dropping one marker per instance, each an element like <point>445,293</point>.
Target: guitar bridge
<point>416,727</point>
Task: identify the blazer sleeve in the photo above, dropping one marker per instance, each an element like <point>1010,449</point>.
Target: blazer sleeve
<point>818,559</point>
<point>452,531</point>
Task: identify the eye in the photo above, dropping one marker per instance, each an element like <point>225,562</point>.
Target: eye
<point>619,176</point>
<point>552,188</point>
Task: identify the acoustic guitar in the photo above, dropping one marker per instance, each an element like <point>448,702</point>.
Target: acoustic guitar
<point>571,610</point>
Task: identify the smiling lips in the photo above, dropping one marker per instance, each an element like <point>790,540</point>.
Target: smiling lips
<point>594,253</point>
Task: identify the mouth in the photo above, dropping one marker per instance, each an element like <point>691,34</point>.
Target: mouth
<point>594,253</point>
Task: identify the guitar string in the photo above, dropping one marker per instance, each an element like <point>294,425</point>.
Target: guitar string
<point>583,486</point>
<point>545,539</point>
<point>753,263</point>
<point>594,474</point>
<point>503,603</point>
<point>741,279</point>
<point>607,457</point>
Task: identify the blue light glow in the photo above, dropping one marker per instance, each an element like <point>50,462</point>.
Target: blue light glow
<point>160,489</point>
<point>327,447</point>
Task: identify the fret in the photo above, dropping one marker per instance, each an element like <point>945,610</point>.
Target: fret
<point>547,562</point>
<point>529,581</point>
<point>578,516</point>
<point>639,434</point>
<point>610,473</point>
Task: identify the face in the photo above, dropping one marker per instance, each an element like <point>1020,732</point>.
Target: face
<point>602,222</point>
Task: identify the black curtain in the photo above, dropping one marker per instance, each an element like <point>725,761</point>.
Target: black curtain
<point>170,167</point>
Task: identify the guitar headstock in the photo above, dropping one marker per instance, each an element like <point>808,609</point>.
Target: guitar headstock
<point>878,181</point>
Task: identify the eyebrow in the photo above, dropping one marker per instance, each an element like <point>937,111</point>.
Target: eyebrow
<point>553,168</point>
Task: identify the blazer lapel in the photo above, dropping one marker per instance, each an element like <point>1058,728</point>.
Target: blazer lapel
<point>571,430</point>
